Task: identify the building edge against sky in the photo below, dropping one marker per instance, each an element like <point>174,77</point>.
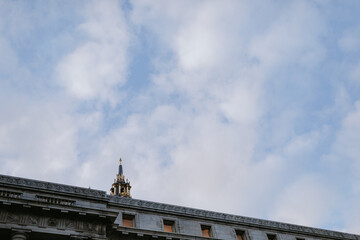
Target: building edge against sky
<point>38,210</point>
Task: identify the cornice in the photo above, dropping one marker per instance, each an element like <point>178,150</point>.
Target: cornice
<point>42,185</point>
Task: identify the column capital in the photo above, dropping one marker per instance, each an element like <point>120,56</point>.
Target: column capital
<point>19,234</point>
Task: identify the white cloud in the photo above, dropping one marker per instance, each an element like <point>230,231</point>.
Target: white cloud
<point>307,202</point>
<point>293,36</point>
<point>350,40</point>
<point>352,213</point>
<point>8,59</point>
<point>202,42</point>
<point>15,19</point>
<point>12,74</point>
<point>97,67</point>
<point>348,136</point>
<point>37,139</point>
<point>345,165</point>
<point>355,75</point>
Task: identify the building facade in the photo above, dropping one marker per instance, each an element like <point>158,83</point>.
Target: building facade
<point>38,210</point>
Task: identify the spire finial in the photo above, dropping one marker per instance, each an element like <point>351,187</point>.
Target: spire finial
<point>120,168</point>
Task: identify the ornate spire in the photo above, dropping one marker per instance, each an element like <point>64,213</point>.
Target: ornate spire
<point>120,187</point>
<point>120,168</point>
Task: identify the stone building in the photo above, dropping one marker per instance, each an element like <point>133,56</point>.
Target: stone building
<point>37,210</point>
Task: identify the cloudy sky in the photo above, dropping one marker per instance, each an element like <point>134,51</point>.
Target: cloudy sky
<point>244,107</point>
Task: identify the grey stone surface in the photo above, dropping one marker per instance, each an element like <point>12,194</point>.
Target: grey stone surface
<point>286,237</point>
<point>150,222</point>
<point>190,227</point>
<point>257,234</point>
<point>225,232</point>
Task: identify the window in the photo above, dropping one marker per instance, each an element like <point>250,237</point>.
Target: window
<point>240,235</point>
<point>206,230</point>
<point>128,220</point>
<point>169,226</point>
<point>271,236</point>
<point>300,238</point>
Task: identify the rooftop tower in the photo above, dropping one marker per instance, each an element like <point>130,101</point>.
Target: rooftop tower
<point>120,187</point>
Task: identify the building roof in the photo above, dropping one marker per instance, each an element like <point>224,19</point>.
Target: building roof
<point>109,203</point>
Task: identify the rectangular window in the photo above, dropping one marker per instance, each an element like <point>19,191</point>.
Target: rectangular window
<point>206,231</point>
<point>300,238</point>
<point>240,235</point>
<point>169,226</point>
<point>271,236</point>
<point>128,220</point>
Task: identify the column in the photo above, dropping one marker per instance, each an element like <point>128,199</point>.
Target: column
<point>19,236</point>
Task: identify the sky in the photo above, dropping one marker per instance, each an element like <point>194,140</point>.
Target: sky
<point>244,107</point>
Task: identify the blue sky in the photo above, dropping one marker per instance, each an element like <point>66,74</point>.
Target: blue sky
<point>245,107</point>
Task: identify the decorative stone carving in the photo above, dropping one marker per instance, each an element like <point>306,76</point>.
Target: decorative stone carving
<point>90,227</point>
<point>57,201</point>
<point>13,218</point>
<point>3,216</point>
<point>52,222</point>
<point>33,220</point>
<point>10,194</point>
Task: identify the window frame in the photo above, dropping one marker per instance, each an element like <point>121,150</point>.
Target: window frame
<point>169,222</point>
<point>242,233</point>
<point>128,216</point>
<point>208,227</point>
<point>271,236</point>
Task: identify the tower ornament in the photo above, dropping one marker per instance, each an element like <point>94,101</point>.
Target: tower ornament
<point>120,187</point>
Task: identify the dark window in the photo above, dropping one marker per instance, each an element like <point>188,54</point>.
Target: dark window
<point>271,236</point>
<point>128,220</point>
<point>300,238</point>
<point>169,226</point>
<point>206,231</point>
<point>240,235</point>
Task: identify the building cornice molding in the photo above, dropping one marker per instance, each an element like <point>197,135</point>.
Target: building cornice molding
<point>48,186</point>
